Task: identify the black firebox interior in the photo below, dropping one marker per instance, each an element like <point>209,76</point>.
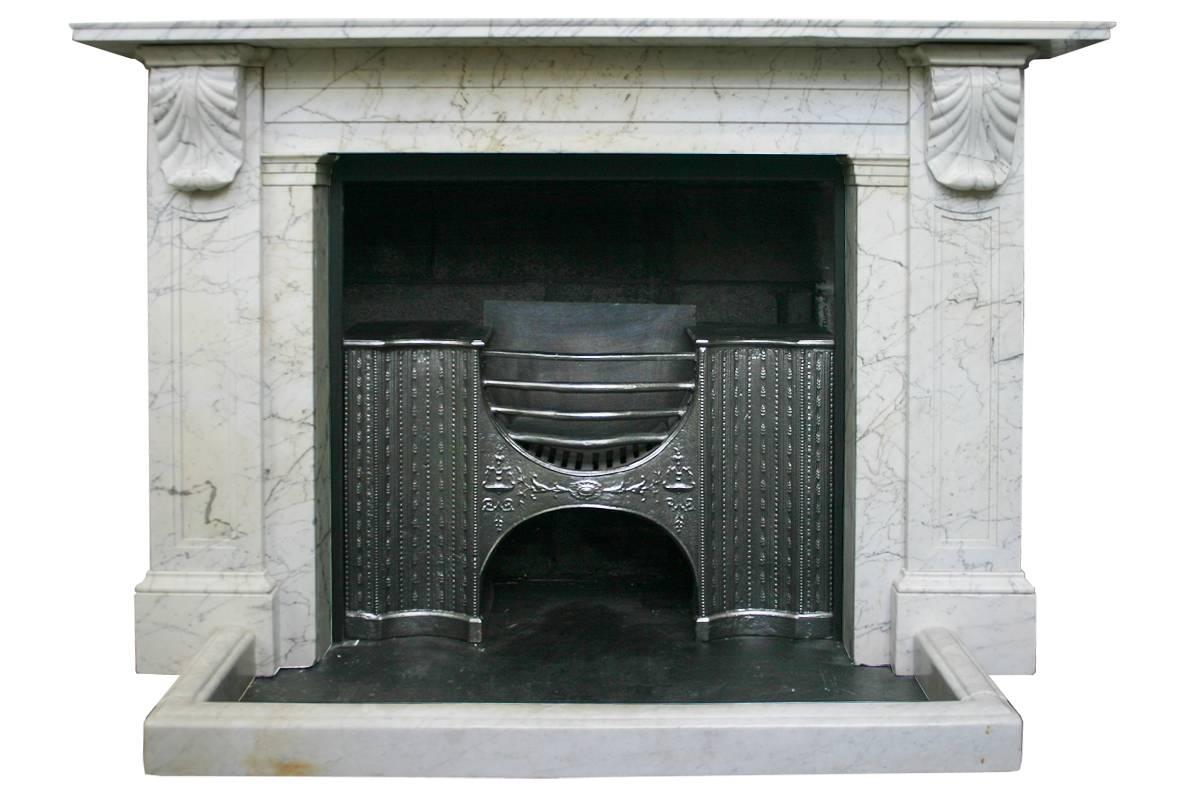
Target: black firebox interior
<point>744,239</point>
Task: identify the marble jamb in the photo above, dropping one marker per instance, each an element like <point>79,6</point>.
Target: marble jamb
<point>880,281</point>
<point>964,378</point>
<point>294,318</point>
<point>205,308</point>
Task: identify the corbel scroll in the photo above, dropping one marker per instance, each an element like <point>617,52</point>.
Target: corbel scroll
<point>196,125</point>
<point>196,110</point>
<point>972,112</point>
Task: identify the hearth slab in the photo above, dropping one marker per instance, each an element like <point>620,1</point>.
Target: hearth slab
<point>199,728</point>
<point>586,642</point>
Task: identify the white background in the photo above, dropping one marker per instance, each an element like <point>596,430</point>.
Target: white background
<point>1110,438</point>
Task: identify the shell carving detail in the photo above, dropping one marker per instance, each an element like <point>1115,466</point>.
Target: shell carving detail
<point>195,113</point>
<point>972,119</point>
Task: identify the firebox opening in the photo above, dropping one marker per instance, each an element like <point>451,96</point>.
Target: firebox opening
<point>664,335</point>
<point>580,574</point>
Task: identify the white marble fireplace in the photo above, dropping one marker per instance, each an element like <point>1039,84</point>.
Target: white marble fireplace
<point>246,121</point>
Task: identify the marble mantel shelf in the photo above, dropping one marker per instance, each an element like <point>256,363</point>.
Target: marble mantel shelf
<point>1049,39</point>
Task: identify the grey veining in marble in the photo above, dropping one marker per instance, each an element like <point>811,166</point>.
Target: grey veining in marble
<point>927,118</point>
<point>1051,38</point>
<point>245,117</point>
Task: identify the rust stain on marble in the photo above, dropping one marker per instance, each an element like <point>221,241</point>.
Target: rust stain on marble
<point>292,768</point>
<point>259,763</point>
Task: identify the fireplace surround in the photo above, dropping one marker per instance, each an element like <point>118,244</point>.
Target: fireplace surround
<point>250,127</point>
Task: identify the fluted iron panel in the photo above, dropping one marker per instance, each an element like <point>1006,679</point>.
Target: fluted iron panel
<point>768,458</point>
<point>410,455</point>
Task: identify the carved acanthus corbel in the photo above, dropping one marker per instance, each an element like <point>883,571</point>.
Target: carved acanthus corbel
<point>972,112</point>
<point>196,124</point>
<point>196,110</point>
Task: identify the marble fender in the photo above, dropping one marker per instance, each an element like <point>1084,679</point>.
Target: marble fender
<point>199,728</point>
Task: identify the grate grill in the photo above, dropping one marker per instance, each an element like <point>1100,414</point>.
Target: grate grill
<point>611,391</point>
<point>434,481</point>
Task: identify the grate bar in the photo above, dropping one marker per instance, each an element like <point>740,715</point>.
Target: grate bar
<point>567,386</point>
<point>571,441</point>
<point>545,413</point>
<point>590,356</point>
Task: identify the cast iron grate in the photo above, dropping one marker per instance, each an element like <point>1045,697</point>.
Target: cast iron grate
<point>612,389</point>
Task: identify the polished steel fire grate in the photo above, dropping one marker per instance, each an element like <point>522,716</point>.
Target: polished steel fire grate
<point>456,434</point>
<point>588,387</point>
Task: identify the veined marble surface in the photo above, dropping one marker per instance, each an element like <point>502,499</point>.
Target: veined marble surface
<point>199,728</point>
<point>879,285</point>
<point>613,100</point>
<point>1051,38</point>
<point>207,538</point>
<point>927,119</point>
<point>296,425</point>
<point>239,278</point>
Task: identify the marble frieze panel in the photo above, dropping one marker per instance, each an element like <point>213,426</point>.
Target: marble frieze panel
<point>568,99</point>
